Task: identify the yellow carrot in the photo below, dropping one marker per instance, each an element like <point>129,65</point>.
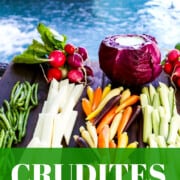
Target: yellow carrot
<point>97,98</point>
<point>86,106</point>
<point>90,94</point>
<point>114,125</point>
<point>123,140</point>
<point>125,94</point>
<point>125,118</point>
<point>133,145</point>
<point>106,90</point>
<point>103,137</point>
<point>128,102</point>
<point>106,120</point>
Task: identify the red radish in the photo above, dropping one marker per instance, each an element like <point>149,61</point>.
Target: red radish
<point>57,58</point>
<point>83,52</point>
<point>89,71</point>
<point>75,60</point>
<point>168,68</point>
<point>75,76</point>
<point>54,73</point>
<point>173,55</point>
<point>69,48</point>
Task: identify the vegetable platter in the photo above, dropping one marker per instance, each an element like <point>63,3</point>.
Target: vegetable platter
<point>130,98</point>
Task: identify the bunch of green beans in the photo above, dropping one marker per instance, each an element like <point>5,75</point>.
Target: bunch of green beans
<point>15,112</point>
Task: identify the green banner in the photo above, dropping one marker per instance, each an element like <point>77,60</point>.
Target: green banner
<point>89,164</point>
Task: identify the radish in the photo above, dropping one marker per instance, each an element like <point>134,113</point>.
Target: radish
<point>83,52</point>
<point>57,58</point>
<point>75,60</point>
<point>54,73</point>
<point>69,48</point>
<point>89,71</point>
<point>173,55</point>
<point>75,76</point>
<point>168,68</point>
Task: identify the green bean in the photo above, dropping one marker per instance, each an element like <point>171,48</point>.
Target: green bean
<point>2,125</point>
<point>25,121</point>
<point>17,94</point>
<point>5,139</point>
<point>20,124</point>
<point>34,97</point>
<point>28,95</point>
<point>2,134</point>
<point>5,120</point>
<point>10,139</point>
<point>14,89</point>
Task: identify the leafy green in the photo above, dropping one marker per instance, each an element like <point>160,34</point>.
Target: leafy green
<point>37,52</point>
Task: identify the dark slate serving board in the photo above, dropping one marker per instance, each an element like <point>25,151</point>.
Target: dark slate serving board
<point>33,73</point>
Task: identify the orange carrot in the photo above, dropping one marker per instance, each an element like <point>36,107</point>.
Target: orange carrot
<point>97,98</point>
<point>86,106</point>
<point>125,118</point>
<point>128,102</point>
<point>107,119</point>
<point>103,138</point>
<point>112,144</point>
<point>123,140</point>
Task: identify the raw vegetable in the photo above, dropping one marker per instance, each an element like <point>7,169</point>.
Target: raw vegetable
<point>54,73</point>
<point>130,59</point>
<point>171,65</point>
<point>75,76</point>
<point>57,58</point>
<point>97,98</point>
<point>161,120</point>
<point>53,51</point>
<point>15,112</point>
<point>103,137</point>
<point>83,52</point>
<point>69,48</point>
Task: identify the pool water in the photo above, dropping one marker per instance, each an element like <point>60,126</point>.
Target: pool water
<point>87,22</point>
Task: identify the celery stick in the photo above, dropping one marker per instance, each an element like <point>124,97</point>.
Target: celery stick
<point>152,141</point>
<point>144,100</point>
<point>155,121</point>
<point>163,94</point>
<point>171,99</point>
<point>161,141</point>
<point>173,130</point>
<point>156,101</point>
<point>145,90</point>
<point>152,91</point>
<point>147,123</point>
<point>164,125</point>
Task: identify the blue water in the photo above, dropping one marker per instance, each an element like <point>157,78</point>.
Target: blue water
<point>87,22</point>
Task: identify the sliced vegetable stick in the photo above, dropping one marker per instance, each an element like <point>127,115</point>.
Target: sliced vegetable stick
<point>97,98</point>
<point>114,92</point>
<point>92,131</point>
<point>90,94</point>
<point>53,88</point>
<point>103,138</point>
<point>70,126</point>
<point>85,134</point>
<point>112,144</point>
<point>107,119</point>
<point>125,94</point>
<point>106,90</point>
<point>123,140</point>
<point>114,125</point>
<point>86,106</point>
<point>133,145</point>
<point>128,102</point>
<point>80,141</point>
<point>125,118</point>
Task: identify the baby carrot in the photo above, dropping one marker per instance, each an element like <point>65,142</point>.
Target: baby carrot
<point>112,144</point>
<point>128,102</point>
<point>97,98</point>
<point>103,137</point>
<point>107,119</point>
<point>90,94</point>
<point>124,120</point>
<point>86,106</point>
